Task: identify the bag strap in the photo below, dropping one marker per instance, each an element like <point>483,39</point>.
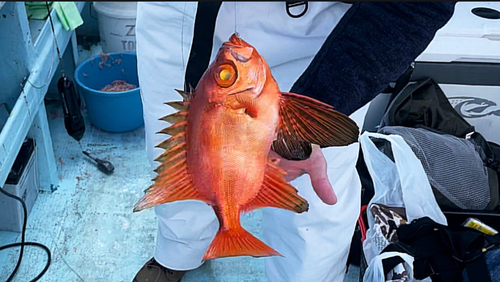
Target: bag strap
<point>489,155</point>
<point>292,4</point>
<point>401,83</point>
<point>201,48</point>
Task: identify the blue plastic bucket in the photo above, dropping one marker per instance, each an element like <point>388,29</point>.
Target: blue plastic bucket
<point>111,111</point>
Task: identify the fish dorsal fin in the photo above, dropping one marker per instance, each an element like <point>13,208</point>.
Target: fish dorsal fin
<point>276,192</point>
<point>175,117</point>
<point>306,119</point>
<point>172,182</point>
<point>186,96</point>
<point>178,105</point>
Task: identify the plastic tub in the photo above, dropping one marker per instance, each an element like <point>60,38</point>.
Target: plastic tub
<point>116,22</point>
<point>111,111</point>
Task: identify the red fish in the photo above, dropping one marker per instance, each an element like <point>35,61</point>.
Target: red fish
<point>220,140</point>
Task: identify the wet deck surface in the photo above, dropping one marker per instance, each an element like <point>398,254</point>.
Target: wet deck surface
<point>88,223</point>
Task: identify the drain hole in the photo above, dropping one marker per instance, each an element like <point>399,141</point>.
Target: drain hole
<point>486,13</point>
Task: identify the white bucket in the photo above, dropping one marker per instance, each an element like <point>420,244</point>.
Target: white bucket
<point>116,25</point>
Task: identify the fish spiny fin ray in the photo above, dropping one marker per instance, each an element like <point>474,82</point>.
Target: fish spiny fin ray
<point>173,162</point>
<point>174,128</point>
<point>186,96</point>
<point>178,105</point>
<point>175,117</point>
<point>184,104</point>
<point>172,141</point>
<point>277,193</point>
<point>316,122</point>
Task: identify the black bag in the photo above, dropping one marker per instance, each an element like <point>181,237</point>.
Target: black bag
<point>445,253</point>
<point>423,105</point>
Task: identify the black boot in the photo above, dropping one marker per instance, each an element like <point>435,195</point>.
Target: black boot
<point>152,271</point>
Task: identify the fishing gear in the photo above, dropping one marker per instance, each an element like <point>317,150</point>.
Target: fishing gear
<point>73,118</point>
<point>102,165</point>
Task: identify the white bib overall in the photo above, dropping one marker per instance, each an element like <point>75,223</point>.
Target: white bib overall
<point>315,244</point>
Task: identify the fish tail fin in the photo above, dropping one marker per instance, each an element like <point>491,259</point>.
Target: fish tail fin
<point>237,242</point>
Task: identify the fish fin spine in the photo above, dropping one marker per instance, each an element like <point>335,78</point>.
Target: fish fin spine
<point>175,117</point>
<point>178,105</point>
<point>186,95</point>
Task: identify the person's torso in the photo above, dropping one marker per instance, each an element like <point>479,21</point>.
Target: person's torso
<point>287,44</point>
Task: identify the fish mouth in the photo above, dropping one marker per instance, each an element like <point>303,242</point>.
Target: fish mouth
<point>239,53</point>
<point>236,40</point>
<point>238,48</point>
<point>244,54</point>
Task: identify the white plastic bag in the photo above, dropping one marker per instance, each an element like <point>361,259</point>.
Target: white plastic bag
<point>402,183</point>
<point>375,271</point>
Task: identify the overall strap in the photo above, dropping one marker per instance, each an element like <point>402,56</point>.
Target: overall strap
<point>201,47</point>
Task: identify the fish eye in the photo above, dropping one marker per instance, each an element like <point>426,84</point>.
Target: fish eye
<point>225,75</point>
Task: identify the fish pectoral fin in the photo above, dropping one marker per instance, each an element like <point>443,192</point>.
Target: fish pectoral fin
<point>291,147</point>
<point>243,100</point>
<point>276,192</point>
<point>237,242</point>
<point>316,122</point>
<point>248,102</point>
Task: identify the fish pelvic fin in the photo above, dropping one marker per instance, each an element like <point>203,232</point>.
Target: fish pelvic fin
<point>172,182</point>
<point>237,242</point>
<point>276,192</point>
<point>306,119</point>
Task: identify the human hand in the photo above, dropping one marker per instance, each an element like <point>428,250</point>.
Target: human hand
<point>316,167</point>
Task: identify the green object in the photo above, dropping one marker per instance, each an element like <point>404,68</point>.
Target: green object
<point>37,10</point>
<point>68,14</point>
